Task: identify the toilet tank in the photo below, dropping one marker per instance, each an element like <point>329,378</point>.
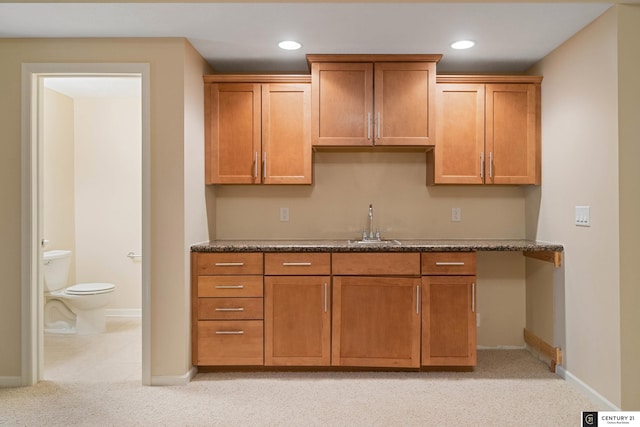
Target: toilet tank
<point>56,269</point>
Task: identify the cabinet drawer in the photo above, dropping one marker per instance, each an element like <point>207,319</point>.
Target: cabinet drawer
<point>297,264</point>
<point>230,286</point>
<point>230,342</point>
<point>378,264</point>
<point>230,263</point>
<point>449,263</point>
<point>230,308</point>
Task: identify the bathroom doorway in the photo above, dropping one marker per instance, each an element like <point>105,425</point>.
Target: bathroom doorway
<point>89,179</point>
<point>92,207</point>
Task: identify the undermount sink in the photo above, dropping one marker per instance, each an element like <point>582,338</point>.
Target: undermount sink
<point>375,242</point>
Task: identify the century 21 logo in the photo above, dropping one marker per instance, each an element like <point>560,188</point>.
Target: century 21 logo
<point>590,419</point>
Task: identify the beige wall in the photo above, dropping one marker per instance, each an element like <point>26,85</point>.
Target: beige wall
<point>345,183</point>
<point>629,178</point>
<point>108,188</point>
<point>169,321</point>
<point>580,167</point>
<point>58,174</point>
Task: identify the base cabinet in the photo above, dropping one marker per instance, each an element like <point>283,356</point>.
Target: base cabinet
<point>227,309</point>
<point>448,321</point>
<point>376,322</point>
<point>360,309</point>
<point>297,325</point>
<point>448,309</point>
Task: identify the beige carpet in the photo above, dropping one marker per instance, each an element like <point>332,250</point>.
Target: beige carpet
<point>508,388</point>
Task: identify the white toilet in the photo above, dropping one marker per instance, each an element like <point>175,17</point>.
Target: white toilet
<point>75,309</point>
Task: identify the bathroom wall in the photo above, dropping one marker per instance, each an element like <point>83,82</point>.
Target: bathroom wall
<point>58,174</point>
<point>93,205</point>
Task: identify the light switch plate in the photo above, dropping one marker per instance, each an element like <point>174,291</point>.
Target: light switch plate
<point>583,216</point>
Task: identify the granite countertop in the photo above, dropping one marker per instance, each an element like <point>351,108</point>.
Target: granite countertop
<point>400,245</point>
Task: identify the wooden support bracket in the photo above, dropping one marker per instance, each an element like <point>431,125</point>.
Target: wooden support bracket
<point>554,257</point>
<point>553,353</point>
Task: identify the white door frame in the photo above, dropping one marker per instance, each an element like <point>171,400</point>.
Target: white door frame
<point>32,282</point>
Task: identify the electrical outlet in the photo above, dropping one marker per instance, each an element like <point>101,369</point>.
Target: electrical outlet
<point>456,214</point>
<point>477,320</point>
<point>284,214</point>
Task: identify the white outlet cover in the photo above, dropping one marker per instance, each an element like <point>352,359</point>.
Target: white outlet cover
<point>284,214</point>
<point>456,214</point>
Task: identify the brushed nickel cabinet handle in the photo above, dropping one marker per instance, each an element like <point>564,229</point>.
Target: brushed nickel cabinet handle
<point>449,263</point>
<point>230,309</point>
<point>325,297</point>
<point>229,332</point>
<point>378,124</point>
<point>368,125</point>
<point>482,165</point>
<point>255,165</point>
<point>229,264</point>
<point>264,165</point>
<point>490,164</point>
<point>418,299</point>
<point>229,286</point>
<point>296,264</point>
<point>473,297</point>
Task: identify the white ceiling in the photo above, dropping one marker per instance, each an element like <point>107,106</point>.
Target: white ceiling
<point>510,37</point>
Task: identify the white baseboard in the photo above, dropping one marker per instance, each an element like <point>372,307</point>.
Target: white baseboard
<point>10,382</point>
<point>603,403</point>
<point>123,312</point>
<point>165,380</point>
<point>500,347</point>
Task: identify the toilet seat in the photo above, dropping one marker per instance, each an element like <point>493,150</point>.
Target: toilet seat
<point>89,289</point>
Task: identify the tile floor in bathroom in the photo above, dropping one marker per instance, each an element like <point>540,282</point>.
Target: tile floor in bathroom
<point>114,356</point>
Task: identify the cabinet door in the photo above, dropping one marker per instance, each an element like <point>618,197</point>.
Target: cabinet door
<point>512,134</point>
<point>342,104</point>
<point>232,133</point>
<point>404,103</point>
<point>376,321</point>
<point>448,321</point>
<point>459,151</point>
<point>297,320</point>
<point>286,133</point>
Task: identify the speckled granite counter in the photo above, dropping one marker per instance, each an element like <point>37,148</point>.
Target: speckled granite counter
<point>401,245</point>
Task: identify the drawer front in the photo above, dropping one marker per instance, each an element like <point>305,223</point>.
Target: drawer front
<point>230,286</point>
<point>377,264</point>
<point>297,264</point>
<point>449,263</point>
<point>230,342</point>
<point>230,263</point>
<point>230,308</point>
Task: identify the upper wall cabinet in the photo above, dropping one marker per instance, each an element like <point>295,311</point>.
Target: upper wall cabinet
<point>365,100</point>
<point>488,130</point>
<point>257,129</point>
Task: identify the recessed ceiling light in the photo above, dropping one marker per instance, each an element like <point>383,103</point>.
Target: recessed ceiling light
<point>463,44</point>
<point>289,45</point>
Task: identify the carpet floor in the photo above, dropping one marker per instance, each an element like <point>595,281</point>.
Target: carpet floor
<point>507,388</point>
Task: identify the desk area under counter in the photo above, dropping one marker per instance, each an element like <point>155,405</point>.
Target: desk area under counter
<point>408,304</point>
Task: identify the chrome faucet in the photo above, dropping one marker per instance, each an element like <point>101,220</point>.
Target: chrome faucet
<point>371,235</point>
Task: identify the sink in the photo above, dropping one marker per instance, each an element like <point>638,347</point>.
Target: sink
<point>375,242</point>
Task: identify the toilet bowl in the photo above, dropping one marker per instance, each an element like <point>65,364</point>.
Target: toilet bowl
<point>74,309</point>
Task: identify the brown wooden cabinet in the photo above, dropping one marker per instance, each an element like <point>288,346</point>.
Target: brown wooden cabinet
<point>257,130</point>
<point>297,328</point>
<point>448,309</point>
<point>376,319</point>
<point>487,130</point>
<point>227,309</point>
<point>364,100</point>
